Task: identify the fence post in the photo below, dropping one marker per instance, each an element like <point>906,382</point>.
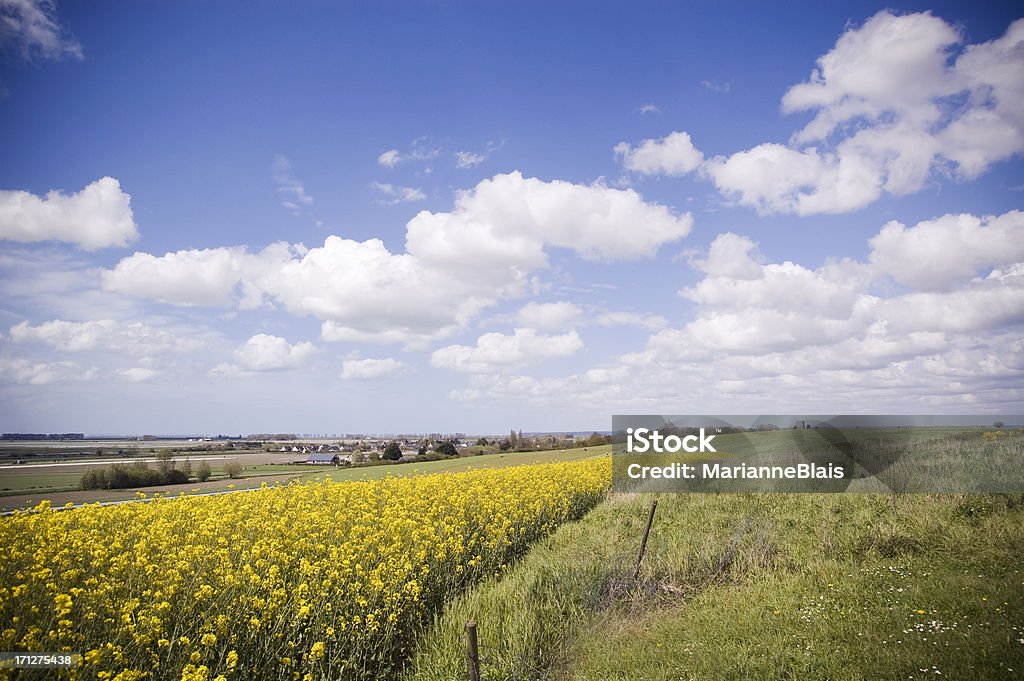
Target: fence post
<point>472,653</point>
<point>643,544</point>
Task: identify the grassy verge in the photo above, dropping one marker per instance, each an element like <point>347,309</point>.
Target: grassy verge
<point>757,586</point>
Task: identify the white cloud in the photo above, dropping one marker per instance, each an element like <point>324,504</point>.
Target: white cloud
<point>293,191</point>
<point>398,194</point>
<point>509,219</point>
<point>362,369</point>
<point>419,151</point>
<point>364,292</point>
<point>31,27</point>
<point>214,276</point>
<point>499,352</point>
<point>468,159</point>
<point>549,316</point>
<point>105,334</point>
<point>389,158</point>
<point>937,254</point>
<point>138,374</point>
<point>674,154</point>
<point>823,339</point>
<point>456,263</point>
<point>648,108</point>
<point>891,105</point>
<point>776,179</point>
<point>43,373</point>
<point>97,217</point>
<point>264,352</point>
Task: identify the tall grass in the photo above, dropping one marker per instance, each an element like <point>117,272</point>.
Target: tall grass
<point>741,586</point>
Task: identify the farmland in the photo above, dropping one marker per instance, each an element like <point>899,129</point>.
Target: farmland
<point>372,572</point>
<point>320,579</point>
<point>57,479</point>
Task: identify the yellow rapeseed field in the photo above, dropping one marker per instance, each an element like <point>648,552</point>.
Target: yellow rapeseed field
<point>321,580</point>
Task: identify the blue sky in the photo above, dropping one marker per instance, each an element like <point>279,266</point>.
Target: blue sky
<point>366,217</point>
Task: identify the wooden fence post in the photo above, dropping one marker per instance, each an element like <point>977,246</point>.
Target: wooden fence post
<point>643,544</point>
<point>472,652</point>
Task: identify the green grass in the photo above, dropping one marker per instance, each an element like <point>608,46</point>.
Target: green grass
<point>741,586</point>
<point>457,465</point>
<point>30,482</point>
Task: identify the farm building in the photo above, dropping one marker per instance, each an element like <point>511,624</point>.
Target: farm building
<point>324,458</point>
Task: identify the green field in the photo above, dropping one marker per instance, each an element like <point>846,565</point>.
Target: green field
<point>30,480</point>
<point>756,586</point>
<point>32,485</point>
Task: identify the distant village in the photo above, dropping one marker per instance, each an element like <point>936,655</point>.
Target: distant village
<point>430,448</point>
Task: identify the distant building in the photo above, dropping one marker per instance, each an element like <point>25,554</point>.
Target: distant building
<point>324,458</point>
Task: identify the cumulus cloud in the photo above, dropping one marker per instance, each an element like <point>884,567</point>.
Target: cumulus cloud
<point>264,352</point>
<point>97,217</point>
<point>363,369</point>
<point>671,155</point>
<point>937,254</point>
<point>498,352</point>
<point>456,263</point>
<point>31,28</point>
<point>397,194</point>
<point>831,337</point>
<point>896,102</point>
<point>211,277</point>
<point>510,219</point>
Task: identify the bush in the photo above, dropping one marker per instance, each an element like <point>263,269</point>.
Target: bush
<point>203,472</point>
<point>121,476</point>
<point>233,469</point>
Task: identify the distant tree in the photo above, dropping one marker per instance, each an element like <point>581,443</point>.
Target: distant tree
<point>203,472</point>
<point>446,448</point>
<point>998,424</point>
<point>233,469</point>
<point>393,451</point>
<point>165,462</point>
<point>374,455</point>
<point>186,468</point>
<point>513,439</point>
<point>505,445</point>
<point>482,442</point>
<point>422,451</point>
